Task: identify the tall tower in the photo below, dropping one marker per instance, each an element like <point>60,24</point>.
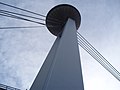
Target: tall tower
<point>62,68</point>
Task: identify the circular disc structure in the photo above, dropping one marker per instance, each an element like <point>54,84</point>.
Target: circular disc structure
<point>58,16</point>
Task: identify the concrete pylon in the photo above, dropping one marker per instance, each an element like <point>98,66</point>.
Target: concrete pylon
<point>62,68</point>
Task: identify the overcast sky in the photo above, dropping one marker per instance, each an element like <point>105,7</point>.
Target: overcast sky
<point>22,51</point>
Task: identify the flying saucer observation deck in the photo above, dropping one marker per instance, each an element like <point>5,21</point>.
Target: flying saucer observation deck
<point>58,16</point>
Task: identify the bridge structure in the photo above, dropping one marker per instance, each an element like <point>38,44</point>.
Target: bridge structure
<point>61,69</point>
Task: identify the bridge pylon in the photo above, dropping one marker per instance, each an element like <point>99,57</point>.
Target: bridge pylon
<point>61,69</point>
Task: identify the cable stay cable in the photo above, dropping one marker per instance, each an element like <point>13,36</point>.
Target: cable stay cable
<point>21,18</point>
<point>9,12</point>
<point>13,13</point>
<point>99,60</point>
<point>107,66</point>
<point>23,27</point>
<point>6,14</point>
<point>49,20</point>
<point>96,58</point>
<point>95,51</point>
<point>5,4</point>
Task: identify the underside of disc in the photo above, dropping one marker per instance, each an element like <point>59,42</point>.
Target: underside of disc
<point>58,16</point>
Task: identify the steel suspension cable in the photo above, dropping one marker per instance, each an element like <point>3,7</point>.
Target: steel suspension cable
<point>21,18</point>
<point>96,58</point>
<point>96,52</point>
<point>83,44</point>
<point>2,3</point>
<point>9,12</point>
<point>18,8</point>
<point>49,20</point>
<point>17,16</point>
<point>26,27</point>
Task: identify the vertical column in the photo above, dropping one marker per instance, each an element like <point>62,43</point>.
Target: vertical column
<point>62,68</point>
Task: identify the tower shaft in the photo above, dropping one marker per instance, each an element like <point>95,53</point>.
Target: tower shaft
<point>62,68</point>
